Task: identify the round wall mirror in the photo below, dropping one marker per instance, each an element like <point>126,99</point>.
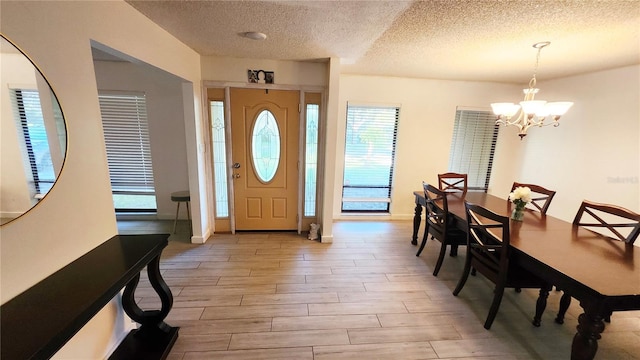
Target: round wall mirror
<point>33,136</point>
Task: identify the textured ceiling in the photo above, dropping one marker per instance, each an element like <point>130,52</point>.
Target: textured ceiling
<point>468,40</point>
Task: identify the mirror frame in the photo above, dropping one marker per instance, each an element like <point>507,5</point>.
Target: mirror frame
<point>64,123</point>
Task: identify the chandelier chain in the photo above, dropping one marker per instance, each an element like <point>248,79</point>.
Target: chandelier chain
<point>538,46</point>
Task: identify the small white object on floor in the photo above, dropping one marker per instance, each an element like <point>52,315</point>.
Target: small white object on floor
<point>313,232</point>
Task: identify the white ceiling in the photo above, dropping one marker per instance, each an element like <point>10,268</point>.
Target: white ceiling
<point>447,39</point>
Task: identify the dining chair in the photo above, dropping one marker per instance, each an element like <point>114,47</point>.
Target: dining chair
<point>488,251</point>
<point>453,182</point>
<point>540,196</point>
<point>438,223</point>
<point>617,219</point>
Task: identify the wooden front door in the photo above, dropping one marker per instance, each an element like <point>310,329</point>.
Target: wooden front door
<point>265,134</point>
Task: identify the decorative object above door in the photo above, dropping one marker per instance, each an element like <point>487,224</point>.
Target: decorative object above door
<point>260,76</point>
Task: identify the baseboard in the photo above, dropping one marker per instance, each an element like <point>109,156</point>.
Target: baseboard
<point>402,217</point>
<point>201,239</point>
<point>373,217</point>
<point>137,216</point>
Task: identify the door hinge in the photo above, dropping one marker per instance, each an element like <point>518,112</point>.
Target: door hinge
<point>299,108</point>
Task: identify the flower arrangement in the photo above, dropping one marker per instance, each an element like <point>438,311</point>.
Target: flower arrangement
<point>520,196</point>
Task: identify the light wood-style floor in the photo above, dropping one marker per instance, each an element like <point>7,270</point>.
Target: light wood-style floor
<point>276,295</point>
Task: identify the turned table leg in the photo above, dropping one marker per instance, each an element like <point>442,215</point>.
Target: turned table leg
<point>541,304</point>
<point>417,218</point>
<point>565,301</point>
<point>585,342</point>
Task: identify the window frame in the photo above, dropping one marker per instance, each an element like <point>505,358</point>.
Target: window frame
<point>311,169</point>
<point>132,105</point>
<point>219,143</point>
<point>369,111</point>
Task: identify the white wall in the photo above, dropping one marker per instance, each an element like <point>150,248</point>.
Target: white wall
<point>78,215</point>
<point>328,174</point>
<point>595,153</point>
<point>427,113</point>
<point>166,126</point>
<point>297,73</point>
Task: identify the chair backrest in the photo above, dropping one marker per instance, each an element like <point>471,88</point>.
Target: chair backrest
<point>453,182</point>
<point>618,220</point>
<point>488,241</point>
<point>437,210</point>
<point>540,197</point>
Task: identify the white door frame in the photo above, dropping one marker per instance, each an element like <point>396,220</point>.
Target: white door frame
<point>209,181</point>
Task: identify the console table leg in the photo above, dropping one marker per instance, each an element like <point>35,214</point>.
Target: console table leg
<point>154,318</point>
<point>155,338</point>
<point>585,342</point>
<point>417,218</point>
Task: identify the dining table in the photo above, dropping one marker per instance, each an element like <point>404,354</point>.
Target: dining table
<point>602,273</point>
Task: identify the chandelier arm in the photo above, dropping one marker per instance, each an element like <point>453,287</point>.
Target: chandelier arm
<point>516,122</point>
<point>554,123</point>
<point>538,121</point>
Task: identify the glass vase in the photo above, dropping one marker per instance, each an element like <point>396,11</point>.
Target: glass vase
<point>517,214</point>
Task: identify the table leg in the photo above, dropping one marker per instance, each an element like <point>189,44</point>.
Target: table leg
<point>149,319</point>
<point>565,301</point>
<point>541,304</point>
<point>155,338</point>
<point>417,218</point>
<point>585,342</point>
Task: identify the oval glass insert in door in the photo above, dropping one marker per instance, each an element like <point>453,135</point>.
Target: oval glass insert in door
<point>265,146</point>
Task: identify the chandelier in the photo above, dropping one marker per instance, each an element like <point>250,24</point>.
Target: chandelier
<point>530,112</point>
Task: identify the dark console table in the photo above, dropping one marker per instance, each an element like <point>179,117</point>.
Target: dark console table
<point>39,321</point>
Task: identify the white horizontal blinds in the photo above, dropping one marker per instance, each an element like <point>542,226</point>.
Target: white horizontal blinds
<point>126,134</point>
<point>28,114</point>
<point>473,145</point>
<point>369,157</point>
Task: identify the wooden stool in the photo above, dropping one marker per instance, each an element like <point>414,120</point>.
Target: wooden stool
<point>179,197</point>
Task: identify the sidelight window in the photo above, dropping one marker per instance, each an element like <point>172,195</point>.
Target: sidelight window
<point>218,132</point>
<point>311,159</point>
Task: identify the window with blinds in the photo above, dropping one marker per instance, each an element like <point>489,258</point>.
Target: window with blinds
<point>35,143</point>
<point>473,145</point>
<point>126,135</point>
<point>370,147</point>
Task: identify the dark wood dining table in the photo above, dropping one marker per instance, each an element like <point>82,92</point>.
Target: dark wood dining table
<point>602,273</point>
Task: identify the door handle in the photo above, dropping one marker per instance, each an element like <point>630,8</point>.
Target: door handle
<point>236,165</point>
